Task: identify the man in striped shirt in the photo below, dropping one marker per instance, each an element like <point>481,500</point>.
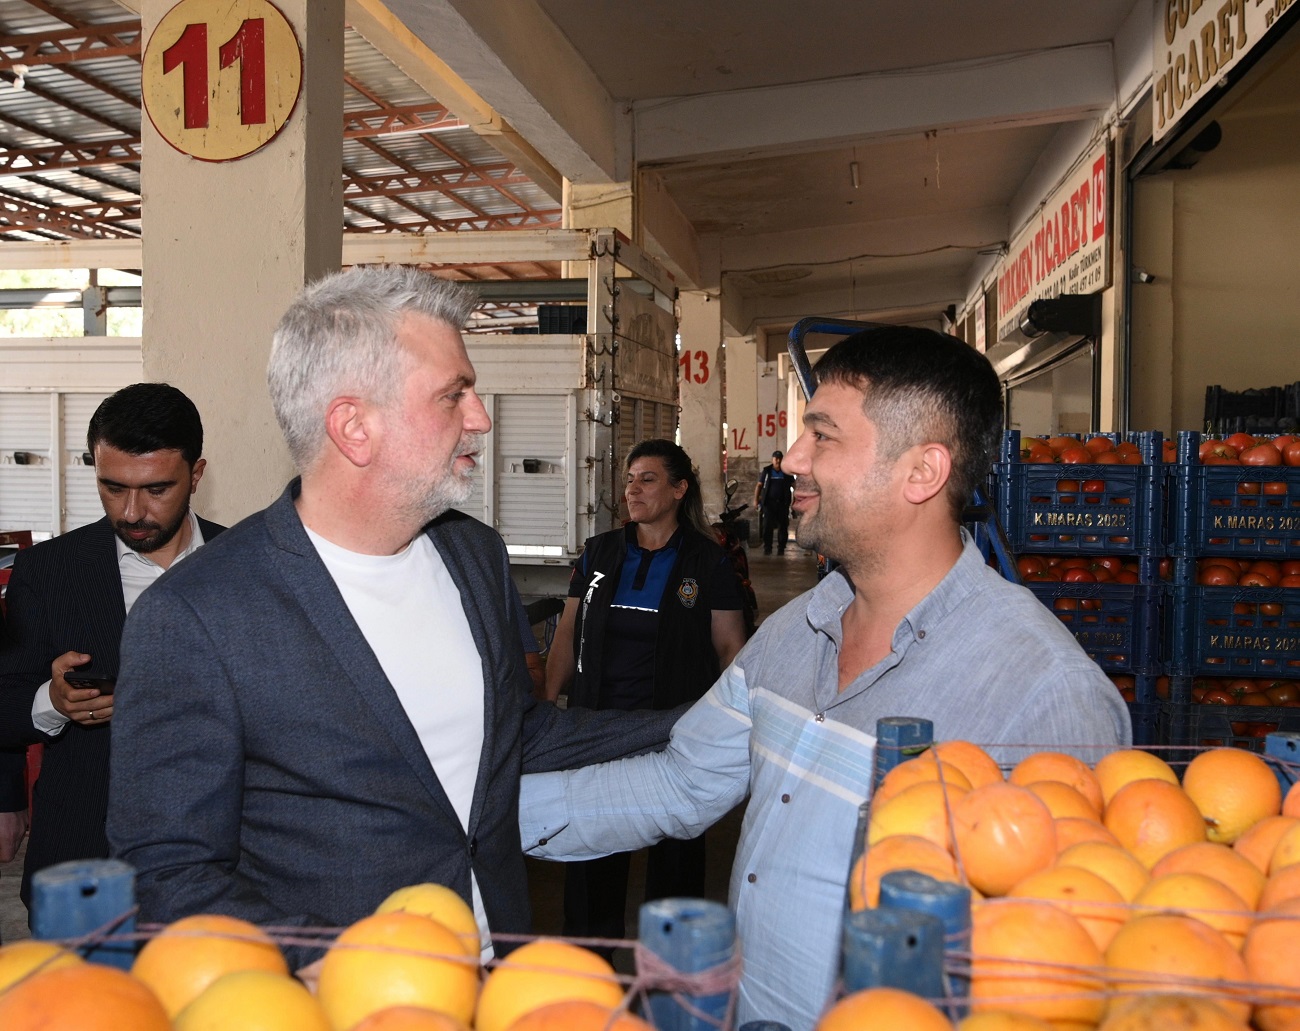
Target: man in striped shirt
<point>904,424</point>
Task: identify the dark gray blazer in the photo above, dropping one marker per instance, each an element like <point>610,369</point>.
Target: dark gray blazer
<point>65,595</point>
<point>262,763</point>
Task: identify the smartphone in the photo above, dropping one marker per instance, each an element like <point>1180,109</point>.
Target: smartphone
<point>88,678</point>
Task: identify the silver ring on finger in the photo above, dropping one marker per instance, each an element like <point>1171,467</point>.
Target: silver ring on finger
<point>92,715</point>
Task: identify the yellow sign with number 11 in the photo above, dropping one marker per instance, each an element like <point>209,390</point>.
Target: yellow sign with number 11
<point>220,79</point>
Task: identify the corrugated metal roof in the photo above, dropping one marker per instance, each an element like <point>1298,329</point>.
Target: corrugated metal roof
<point>70,142</point>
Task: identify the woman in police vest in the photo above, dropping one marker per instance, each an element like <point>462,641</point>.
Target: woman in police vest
<point>653,617</point>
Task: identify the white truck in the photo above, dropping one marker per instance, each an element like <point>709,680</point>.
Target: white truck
<point>567,408</point>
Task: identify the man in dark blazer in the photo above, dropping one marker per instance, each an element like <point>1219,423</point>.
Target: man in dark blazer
<point>332,702</point>
<point>68,598</point>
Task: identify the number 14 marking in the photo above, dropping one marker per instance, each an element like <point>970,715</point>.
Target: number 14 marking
<point>190,54</point>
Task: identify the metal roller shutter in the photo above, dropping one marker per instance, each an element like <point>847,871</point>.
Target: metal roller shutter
<point>530,447</point>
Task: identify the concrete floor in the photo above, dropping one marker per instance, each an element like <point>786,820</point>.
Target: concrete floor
<point>776,580</point>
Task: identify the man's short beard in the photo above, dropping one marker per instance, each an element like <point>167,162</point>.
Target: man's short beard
<point>151,544</point>
<point>452,488</point>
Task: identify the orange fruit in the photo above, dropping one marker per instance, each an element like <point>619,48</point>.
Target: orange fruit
<point>1283,885</point>
<point>1071,830</point>
<point>972,760</point>
<point>899,852</point>
<point>1059,766</point>
<point>1287,850</point>
<point>1217,861</point>
<point>1151,818</point>
<point>540,973</point>
<point>1002,834</point>
<point>1269,952</point>
<point>1113,864</point>
<point>1198,896</point>
<point>1081,893</point>
<point>253,1000</point>
<point>1126,765</point>
<point>1003,1020</point>
<point>1170,1013</point>
<point>1234,789</point>
<point>438,903</point>
<point>578,1015</point>
<point>410,1018</point>
<point>883,1007</point>
<point>189,954</point>
<point>1032,957</point>
<point>1063,801</point>
<point>925,767</point>
<point>922,809</point>
<point>26,958</point>
<point>1164,952</point>
<point>1257,844</point>
<point>397,959</point>
<point>1291,802</point>
<point>84,997</point>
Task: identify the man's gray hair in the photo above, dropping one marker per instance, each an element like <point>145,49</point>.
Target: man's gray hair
<point>339,338</point>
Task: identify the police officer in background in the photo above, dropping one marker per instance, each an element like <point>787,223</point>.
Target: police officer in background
<point>772,498</point>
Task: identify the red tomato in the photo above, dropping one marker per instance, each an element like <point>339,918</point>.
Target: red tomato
<point>1059,444</point>
<point>1113,563</point>
<point>1216,576</point>
<point>1239,688</point>
<point>1047,576</point>
<point>1240,441</point>
<point>1216,447</point>
<point>1094,486</point>
<point>1099,444</point>
<point>1127,576</point>
<point>1253,579</point>
<point>1077,456</point>
<point>1268,567</point>
<point>1066,604</point>
<point>1291,567</point>
<point>1249,487</point>
<point>1261,454</point>
<point>1040,453</point>
<point>1108,458</point>
<point>1291,456</point>
<point>1221,459</point>
<point>1075,562</point>
<point>1254,698</point>
<point>1067,485</point>
<point>1217,696</point>
<point>1162,687</point>
<point>1130,457</point>
<point>1165,568</point>
<point>1169,451</point>
<point>1283,692</point>
<point>1078,576</point>
<point>1102,575</point>
<point>1275,487</point>
<point>1290,581</point>
<point>1280,442</point>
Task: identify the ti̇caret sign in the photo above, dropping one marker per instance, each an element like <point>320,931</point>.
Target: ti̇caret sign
<point>1065,248</point>
<point>1197,42</point>
<point>220,79</point>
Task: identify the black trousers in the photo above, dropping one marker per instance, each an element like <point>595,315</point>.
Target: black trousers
<point>595,890</point>
<point>775,519</point>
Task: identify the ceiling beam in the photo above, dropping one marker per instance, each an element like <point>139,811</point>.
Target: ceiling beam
<point>1046,87</point>
<point>387,33</point>
<point>973,229</point>
<point>63,46</point>
<point>513,57</point>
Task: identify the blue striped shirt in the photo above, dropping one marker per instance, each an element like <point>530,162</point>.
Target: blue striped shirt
<point>981,657</point>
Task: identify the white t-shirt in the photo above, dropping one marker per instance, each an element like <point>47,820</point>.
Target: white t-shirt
<point>409,611</point>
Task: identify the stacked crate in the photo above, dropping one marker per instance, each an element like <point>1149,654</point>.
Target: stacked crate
<point>1097,510</point>
<point>1229,632</point>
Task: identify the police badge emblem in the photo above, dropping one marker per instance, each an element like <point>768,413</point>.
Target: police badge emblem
<point>688,593</point>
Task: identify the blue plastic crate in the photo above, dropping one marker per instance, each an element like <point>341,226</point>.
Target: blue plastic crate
<point>1241,510</point>
<point>1233,631</point>
<point>1118,625</point>
<point>1044,507</point>
<point>1145,718</point>
<point>1192,726</point>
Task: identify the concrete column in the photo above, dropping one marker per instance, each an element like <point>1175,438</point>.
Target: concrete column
<point>740,391</point>
<point>226,247</point>
<point>700,386</point>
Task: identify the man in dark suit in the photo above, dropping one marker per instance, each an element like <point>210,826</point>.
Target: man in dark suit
<point>332,701</point>
<point>69,596</point>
